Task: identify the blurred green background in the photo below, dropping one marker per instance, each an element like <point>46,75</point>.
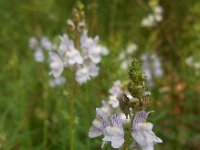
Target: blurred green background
<point>35,116</point>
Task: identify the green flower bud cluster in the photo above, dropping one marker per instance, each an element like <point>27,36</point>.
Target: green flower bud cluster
<point>136,87</point>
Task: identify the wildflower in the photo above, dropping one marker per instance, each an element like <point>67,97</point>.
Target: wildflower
<point>114,91</point>
<point>153,18</point>
<point>114,133</point>
<point>142,132</point>
<point>45,43</point>
<point>33,42</point>
<point>99,124</point>
<point>131,48</point>
<point>56,65</point>
<point>38,55</point>
<point>70,54</point>
<point>88,45</point>
<point>106,107</point>
<point>39,47</point>
<point>57,82</point>
<point>82,75</point>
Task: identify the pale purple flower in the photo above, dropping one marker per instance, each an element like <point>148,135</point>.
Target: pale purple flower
<point>70,54</point>
<point>142,132</point>
<point>46,44</point>
<point>82,75</point>
<point>93,70</point>
<point>99,124</point>
<point>38,55</point>
<point>106,107</point>
<point>56,65</point>
<point>114,133</point>
<point>89,47</point>
<point>114,91</point>
<point>39,46</point>
<point>57,82</point>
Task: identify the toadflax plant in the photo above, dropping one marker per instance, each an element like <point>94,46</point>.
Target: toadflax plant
<point>132,101</point>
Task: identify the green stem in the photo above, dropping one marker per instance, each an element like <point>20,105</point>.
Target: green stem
<point>129,135</point>
<point>72,123</point>
<point>45,128</point>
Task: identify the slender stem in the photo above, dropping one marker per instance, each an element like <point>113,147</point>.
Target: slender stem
<point>129,135</point>
<point>72,123</point>
<point>45,128</point>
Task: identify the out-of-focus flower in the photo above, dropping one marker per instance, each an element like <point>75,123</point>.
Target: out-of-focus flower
<point>56,65</point>
<point>38,55</point>
<point>132,48</point>
<point>142,132</point>
<point>99,124</point>
<point>33,43</point>
<point>83,59</point>
<point>153,18</point>
<point>126,56</point>
<point>39,46</point>
<point>57,82</point>
<point>46,44</point>
<point>82,75</point>
<point>106,107</point>
<point>71,56</point>
<point>88,45</point>
<point>152,67</point>
<point>114,91</point>
<point>114,133</point>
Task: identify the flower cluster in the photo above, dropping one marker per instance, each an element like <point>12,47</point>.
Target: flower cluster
<point>126,55</point>
<point>83,59</point>
<point>112,130</point>
<point>39,46</point>
<point>109,121</point>
<point>152,67</point>
<point>153,18</point>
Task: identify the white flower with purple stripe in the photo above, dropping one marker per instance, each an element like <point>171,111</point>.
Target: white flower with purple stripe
<point>99,124</point>
<point>114,133</point>
<point>142,132</point>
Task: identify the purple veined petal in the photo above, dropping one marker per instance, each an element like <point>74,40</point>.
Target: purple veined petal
<point>102,116</point>
<point>140,117</point>
<point>144,136</point>
<point>117,142</point>
<point>116,121</point>
<point>114,133</point>
<point>95,132</point>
